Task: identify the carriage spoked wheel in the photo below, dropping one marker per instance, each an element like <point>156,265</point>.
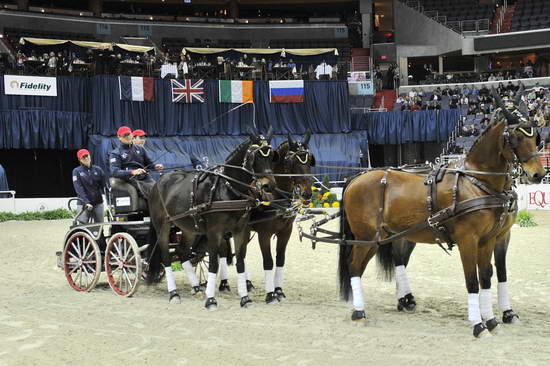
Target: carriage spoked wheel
<point>81,261</point>
<point>123,264</point>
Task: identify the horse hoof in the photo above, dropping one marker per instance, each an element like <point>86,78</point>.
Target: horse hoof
<point>406,304</point>
<point>358,317</point>
<point>481,331</point>
<point>211,304</point>
<point>197,292</point>
<point>246,302</point>
<point>271,298</point>
<point>280,294</point>
<point>249,286</point>
<point>510,317</point>
<point>224,286</point>
<point>174,297</point>
<point>492,326</point>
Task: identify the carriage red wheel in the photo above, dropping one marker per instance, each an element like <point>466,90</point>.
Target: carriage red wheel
<point>81,261</point>
<point>123,264</point>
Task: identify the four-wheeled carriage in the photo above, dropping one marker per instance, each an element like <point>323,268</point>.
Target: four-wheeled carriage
<point>117,247</point>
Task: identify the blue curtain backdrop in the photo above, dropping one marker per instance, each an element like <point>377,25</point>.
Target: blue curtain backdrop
<point>73,95</point>
<point>3,181</point>
<point>325,110</point>
<point>343,150</point>
<point>39,129</point>
<point>407,126</point>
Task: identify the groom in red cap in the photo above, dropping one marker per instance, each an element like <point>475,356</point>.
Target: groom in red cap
<point>88,182</point>
<point>130,163</point>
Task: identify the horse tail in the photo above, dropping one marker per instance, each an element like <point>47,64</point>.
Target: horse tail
<point>154,261</point>
<point>344,254</point>
<point>386,261</point>
<point>229,254</point>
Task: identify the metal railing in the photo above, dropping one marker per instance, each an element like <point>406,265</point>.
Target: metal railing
<point>459,26</point>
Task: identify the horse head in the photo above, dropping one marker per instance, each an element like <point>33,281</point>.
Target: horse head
<point>259,160</point>
<point>299,160</point>
<point>522,140</point>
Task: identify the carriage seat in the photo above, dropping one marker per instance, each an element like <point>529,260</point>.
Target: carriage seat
<point>125,197</point>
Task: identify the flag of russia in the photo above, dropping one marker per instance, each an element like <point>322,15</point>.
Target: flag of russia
<point>136,88</point>
<point>286,91</point>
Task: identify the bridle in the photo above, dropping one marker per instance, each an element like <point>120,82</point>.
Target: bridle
<point>511,140</point>
<point>300,156</point>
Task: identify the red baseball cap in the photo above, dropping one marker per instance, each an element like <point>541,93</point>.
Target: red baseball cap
<point>81,153</point>
<point>138,133</point>
<point>123,131</point>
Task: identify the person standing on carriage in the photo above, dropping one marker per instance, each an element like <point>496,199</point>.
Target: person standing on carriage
<point>130,163</point>
<point>88,181</point>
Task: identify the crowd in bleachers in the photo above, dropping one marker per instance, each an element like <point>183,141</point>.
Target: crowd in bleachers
<point>524,71</point>
<point>476,105</point>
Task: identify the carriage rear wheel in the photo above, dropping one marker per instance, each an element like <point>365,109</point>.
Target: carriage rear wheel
<point>81,261</point>
<point>123,264</point>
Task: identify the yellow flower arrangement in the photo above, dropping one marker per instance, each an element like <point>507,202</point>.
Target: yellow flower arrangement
<point>335,204</point>
<point>326,205</point>
<point>325,196</point>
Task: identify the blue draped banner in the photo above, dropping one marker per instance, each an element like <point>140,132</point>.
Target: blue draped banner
<point>38,129</point>
<point>343,150</point>
<point>407,126</point>
<point>3,181</point>
<point>325,110</point>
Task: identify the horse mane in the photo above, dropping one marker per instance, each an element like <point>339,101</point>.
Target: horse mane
<point>484,132</point>
<point>283,148</point>
<point>239,150</point>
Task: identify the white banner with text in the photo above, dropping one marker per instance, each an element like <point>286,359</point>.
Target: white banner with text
<point>30,85</point>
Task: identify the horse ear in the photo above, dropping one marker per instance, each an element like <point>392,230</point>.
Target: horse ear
<point>269,135</point>
<point>510,118</point>
<point>307,137</point>
<point>290,140</point>
<point>251,133</point>
<point>519,95</point>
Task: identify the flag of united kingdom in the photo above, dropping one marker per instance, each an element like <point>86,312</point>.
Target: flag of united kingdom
<point>190,91</point>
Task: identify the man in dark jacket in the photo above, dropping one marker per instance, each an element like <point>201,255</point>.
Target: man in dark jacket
<point>88,182</point>
<point>130,163</point>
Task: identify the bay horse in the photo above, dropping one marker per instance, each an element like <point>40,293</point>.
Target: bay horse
<point>183,199</point>
<point>295,160</point>
<point>380,203</point>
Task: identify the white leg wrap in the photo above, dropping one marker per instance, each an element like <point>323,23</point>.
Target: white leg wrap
<point>357,288</point>
<point>211,285</point>
<point>279,275</point>
<point>248,277</point>
<point>224,275</point>
<point>503,298</point>
<point>269,285</point>
<point>474,315</point>
<point>241,284</point>
<point>486,304</point>
<point>402,286</point>
<point>170,280</point>
<point>190,273</point>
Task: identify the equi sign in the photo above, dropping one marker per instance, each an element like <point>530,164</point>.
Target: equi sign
<point>534,197</point>
<point>30,85</point>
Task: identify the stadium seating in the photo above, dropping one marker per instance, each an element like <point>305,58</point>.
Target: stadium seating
<point>459,10</point>
<point>531,14</point>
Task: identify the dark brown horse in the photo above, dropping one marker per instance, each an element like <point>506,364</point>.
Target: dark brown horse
<point>381,203</point>
<point>295,158</point>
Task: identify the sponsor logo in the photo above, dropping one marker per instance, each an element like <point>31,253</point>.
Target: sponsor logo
<point>34,86</point>
<point>539,198</point>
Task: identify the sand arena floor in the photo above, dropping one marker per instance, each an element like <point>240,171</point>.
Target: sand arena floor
<point>44,322</point>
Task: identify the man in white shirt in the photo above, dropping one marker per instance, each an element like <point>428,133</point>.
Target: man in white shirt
<point>323,69</point>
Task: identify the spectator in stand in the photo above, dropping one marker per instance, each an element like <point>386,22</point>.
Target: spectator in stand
<point>473,90</point>
<point>483,91</point>
<point>501,89</point>
<point>529,70</point>
<point>52,64</point>
<point>413,93</point>
<point>465,90</point>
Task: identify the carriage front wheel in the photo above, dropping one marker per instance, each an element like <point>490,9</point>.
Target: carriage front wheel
<point>123,264</point>
<point>81,261</point>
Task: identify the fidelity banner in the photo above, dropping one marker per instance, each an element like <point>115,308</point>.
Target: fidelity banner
<point>30,85</point>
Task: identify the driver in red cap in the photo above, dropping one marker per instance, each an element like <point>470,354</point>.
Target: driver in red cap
<point>88,181</point>
<point>130,162</point>
<point>139,137</point>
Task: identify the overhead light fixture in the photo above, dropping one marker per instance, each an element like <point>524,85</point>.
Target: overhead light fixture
<point>42,10</point>
<point>81,14</point>
<point>150,18</point>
